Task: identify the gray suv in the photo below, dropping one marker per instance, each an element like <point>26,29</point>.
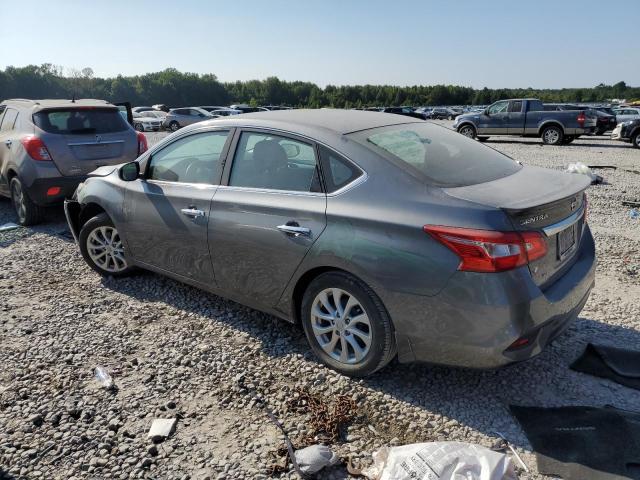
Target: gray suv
<point>181,117</point>
<point>47,147</point>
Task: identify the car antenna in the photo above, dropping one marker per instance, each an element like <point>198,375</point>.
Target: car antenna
<point>73,100</point>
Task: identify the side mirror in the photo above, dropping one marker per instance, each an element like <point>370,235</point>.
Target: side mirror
<point>486,112</point>
<point>129,171</point>
<point>291,149</point>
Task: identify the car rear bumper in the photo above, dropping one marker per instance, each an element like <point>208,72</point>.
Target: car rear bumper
<point>475,320</point>
<point>41,190</point>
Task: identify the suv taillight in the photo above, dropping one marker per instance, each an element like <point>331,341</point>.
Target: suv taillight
<point>36,148</point>
<point>142,143</point>
<point>581,119</point>
<point>489,251</point>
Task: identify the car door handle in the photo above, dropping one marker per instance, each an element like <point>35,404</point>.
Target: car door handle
<point>8,143</point>
<point>192,212</point>
<point>295,230</point>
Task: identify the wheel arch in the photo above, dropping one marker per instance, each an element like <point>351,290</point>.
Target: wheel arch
<point>467,123</point>
<point>550,123</point>
<point>89,211</point>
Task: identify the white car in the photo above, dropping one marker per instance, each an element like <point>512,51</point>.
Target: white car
<point>146,121</point>
<point>624,114</point>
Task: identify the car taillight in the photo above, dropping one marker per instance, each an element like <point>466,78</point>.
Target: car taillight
<point>489,251</point>
<point>36,148</point>
<point>142,143</point>
<point>581,119</point>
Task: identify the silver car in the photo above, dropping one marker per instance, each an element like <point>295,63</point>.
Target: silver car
<point>381,234</point>
<point>146,121</point>
<point>626,114</point>
<point>181,117</point>
<point>47,147</point>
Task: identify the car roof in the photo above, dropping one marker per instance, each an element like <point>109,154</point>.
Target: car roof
<point>57,103</point>
<point>338,121</point>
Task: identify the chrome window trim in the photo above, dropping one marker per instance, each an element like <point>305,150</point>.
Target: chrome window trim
<point>272,191</point>
<point>556,228</point>
<point>186,184</point>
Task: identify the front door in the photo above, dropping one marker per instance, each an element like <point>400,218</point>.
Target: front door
<point>167,211</point>
<point>269,215</point>
<point>494,120</point>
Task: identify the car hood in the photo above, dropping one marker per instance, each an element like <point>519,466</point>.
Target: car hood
<point>527,188</point>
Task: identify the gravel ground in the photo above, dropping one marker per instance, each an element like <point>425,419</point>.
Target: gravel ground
<point>176,352</point>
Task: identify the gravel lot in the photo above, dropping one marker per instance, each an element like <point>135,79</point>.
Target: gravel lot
<point>178,352</point>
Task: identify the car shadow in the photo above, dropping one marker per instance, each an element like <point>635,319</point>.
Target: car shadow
<point>54,224</point>
<point>476,399</point>
<point>577,143</point>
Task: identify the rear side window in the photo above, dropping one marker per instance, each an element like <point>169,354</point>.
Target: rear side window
<point>9,120</point>
<point>439,156</point>
<point>515,106</point>
<point>337,171</point>
<point>79,121</point>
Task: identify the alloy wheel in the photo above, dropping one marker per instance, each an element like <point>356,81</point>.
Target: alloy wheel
<point>105,249</point>
<point>467,132</point>
<point>637,140</point>
<point>341,326</point>
<point>551,136</point>
<point>17,197</point>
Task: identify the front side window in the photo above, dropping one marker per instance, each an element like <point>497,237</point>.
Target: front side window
<point>499,107</point>
<point>192,159</point>
<point>273,162</point>
<point>439,156</point>
<point>79,121</point>
<point>9,120</point>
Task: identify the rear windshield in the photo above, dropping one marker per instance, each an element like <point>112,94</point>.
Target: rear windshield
<point>438,155</point>
<point>78,121</point>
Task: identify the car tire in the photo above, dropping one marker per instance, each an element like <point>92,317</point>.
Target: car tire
<point>483,139</point>
<point>102,248</point>
<point>28,212</point>
<point>568,139</point>
<point>174,126</point>
<point>139,127</point>
<point>467,130</point>
<point>552,135</point>
<point>635,140</point>
<point>332,338</point>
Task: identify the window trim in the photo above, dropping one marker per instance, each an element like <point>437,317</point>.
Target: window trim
<point>15,120</point>
<point>346,186</point>
<point>223,155</point>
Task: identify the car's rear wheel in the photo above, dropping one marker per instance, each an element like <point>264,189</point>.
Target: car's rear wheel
<point>28,212</point>
<point>174,126</point>
<point>552,135</point>
<point>346,325</point>
<point>467,131</point>
<point>102,248</point>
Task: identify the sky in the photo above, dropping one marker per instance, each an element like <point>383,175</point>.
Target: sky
<point>476,43</point>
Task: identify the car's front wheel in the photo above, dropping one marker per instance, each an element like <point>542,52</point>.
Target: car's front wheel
<point>174,126</point>
<point>467,131</point>
<point>346,325</point>
<point>139,127</point>
<point>635,141</point>
<point>102,248</point>
<point>28,212</point>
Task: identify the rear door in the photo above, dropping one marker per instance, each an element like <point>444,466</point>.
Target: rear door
<point>81,139</point>
<point>167,210</point>
<point>516,117</point>
<point>267,216</point>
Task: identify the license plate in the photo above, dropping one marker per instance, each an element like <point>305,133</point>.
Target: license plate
<point>566,241</point>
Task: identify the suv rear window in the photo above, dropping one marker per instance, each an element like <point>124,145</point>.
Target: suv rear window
<point>440,156</point>
<point>80,120</point>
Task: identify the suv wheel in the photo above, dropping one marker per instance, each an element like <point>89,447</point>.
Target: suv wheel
<point>635,141</point>
<point>101,247</point>
<point>467,131</point>
<point>552,135</point>
<point>28,212</point>
<point>346,325</point>
<point>174,126</point>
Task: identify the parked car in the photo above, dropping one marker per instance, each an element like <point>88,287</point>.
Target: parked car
<point>625,114</point>
<point>161,107</point>
<point>628,131</point>
<point>441,113</point>
<point>225,112</point>
<point>406,111</point>
<point>604,121</point>
<point>247,109</point>
<point>210,108</point>
<point>181,117</point>
<point>47,147</point>
<point>527,118</point>
<point>381,235</point>
<point>141,109</point>
<point>146,122</point>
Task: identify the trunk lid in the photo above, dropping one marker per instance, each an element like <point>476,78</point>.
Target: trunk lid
<point>543,200</point>
<point>83,139</point>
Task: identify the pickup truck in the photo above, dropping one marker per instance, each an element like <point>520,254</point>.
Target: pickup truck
<point>526,117</point>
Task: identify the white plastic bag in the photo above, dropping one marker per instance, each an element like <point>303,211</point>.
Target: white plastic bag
<point>440,461</point>
<point>314,458</point>
<point>580,167</point>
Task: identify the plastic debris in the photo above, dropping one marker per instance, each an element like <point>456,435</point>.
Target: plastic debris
<point>635,214</point>
<point>103,378</point>
<point>161,428</point>
<point>441,460</point>
<point>314,458</point>
<point>581,168</point>
<point>9,226</point>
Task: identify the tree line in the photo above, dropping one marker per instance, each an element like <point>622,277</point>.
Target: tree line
<point>175,88</point>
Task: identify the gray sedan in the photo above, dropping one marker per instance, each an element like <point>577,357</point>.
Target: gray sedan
<point>382,235</point>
